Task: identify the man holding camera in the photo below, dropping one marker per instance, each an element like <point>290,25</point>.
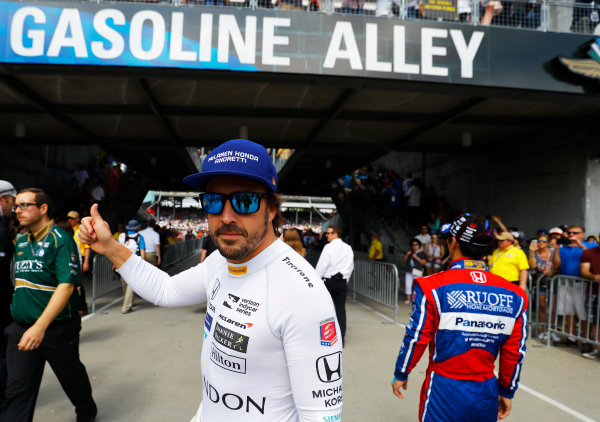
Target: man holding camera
<point>571,299</point>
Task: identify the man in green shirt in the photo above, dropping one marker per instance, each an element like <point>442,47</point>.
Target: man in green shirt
<point>44,308</point>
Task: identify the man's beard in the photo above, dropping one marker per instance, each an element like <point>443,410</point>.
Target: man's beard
<point>251,241</point>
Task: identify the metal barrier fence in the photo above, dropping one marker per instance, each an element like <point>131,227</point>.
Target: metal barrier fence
<point>377,281</point>
<point>566,306</point>
<point>543,15</point>
<point>105,280</point>
<point>178,252</point>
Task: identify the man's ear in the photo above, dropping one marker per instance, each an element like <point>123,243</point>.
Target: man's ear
<point>44,209</point>
<point>272,213</point>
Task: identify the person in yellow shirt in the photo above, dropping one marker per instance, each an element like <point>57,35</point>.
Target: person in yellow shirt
<point>84,258</point>
<point>120,230</point>
<point>73,217</point>
<point>376,249</point>
<point>509,261</point>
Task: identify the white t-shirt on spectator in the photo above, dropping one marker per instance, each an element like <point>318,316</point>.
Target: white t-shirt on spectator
<point>98,193</point>
<point>337,256</point>
<point>424,238</point>
<point>151,238</point>
<point>414,196</point>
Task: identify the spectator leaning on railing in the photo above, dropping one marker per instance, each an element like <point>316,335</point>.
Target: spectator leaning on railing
<point>590,269</point>
<point>571,300</point>
<point>540,261</point>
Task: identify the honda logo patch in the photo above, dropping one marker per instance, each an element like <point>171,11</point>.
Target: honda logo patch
<point>329,367</point>
<point>478,277</point>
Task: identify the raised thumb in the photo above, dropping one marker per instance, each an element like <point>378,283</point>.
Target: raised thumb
<point>95,214</point>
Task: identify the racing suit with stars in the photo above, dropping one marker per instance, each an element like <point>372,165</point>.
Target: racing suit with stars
<point>467,316</point>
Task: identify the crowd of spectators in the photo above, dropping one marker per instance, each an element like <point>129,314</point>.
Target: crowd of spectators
<point>394,198</point>
<point>530,263</point>
<point>512,13</point>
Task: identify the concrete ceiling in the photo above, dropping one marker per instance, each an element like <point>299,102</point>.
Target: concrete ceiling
<point>146,117</point>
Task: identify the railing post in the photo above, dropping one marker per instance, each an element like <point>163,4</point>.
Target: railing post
<point>353,278</point>
<point>475,12</point>
<point>550,304</point>
<point>94,277</point>
<point>396,287</point>
<point>329,7</point>
<point>544,16</point>
<point>402,11</point>
<point>253,4</point>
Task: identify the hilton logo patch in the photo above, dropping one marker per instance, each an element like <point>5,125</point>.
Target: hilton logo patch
<point>328,334</point>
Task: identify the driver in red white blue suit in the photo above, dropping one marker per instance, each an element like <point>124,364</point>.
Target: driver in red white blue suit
<point>467,316</point>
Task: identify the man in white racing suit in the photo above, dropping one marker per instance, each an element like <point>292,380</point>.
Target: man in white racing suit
<point>271,349</point>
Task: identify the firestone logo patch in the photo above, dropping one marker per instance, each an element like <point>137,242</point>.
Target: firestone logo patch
<point>328,333</point>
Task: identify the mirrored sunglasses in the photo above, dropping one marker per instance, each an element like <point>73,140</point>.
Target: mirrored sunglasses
<point>242,202</point>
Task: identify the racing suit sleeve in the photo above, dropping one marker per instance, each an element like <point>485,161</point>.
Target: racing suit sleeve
<point>419,332</point>
<point>312,343</point>
<point>154,285</point>
<point>512,354</point>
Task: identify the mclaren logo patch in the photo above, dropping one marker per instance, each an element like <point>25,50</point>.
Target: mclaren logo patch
<point>237,270</point>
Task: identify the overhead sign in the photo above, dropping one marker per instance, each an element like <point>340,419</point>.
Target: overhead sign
<point>144,35</point>
<point>440,9</point>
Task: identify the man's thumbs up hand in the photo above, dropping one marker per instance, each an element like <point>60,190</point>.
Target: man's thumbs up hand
<point>94,231</point>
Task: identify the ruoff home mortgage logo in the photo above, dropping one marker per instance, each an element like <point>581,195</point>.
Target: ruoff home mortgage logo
<point>589,68</point>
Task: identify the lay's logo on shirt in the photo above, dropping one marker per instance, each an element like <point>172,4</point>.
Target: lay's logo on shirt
<point>237,270</point>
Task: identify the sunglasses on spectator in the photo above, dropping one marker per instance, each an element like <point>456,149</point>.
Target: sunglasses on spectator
<point>242,202</point>
<point>543,240</point>
<point>328,233</point>
<point>25,205</point>
<point>573,233</point>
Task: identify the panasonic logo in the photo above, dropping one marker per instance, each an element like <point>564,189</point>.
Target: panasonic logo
<point>475,322</point>
<point>480,324</point>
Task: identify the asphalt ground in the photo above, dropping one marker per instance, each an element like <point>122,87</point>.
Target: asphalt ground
<point>145,366</point>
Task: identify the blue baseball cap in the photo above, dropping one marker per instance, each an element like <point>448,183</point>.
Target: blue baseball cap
<point>238,157</point>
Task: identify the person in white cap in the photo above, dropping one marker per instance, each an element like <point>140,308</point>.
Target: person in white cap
<point>271,349</point>
<point>8,194</point>
<point>135,242</point>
